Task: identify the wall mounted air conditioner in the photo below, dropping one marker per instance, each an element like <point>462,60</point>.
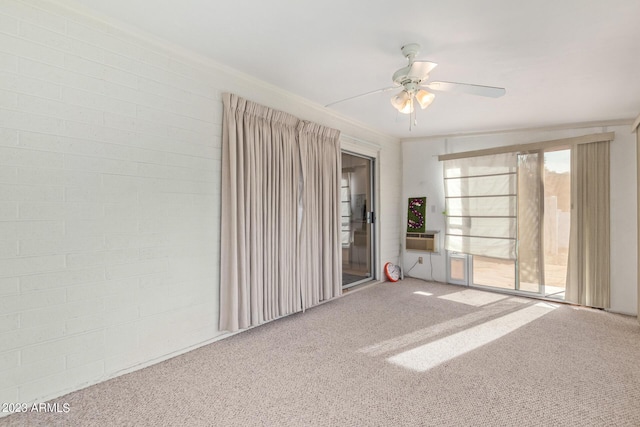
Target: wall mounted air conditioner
<point>423,242</point>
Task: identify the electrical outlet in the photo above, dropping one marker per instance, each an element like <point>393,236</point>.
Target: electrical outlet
<point>419,260</point>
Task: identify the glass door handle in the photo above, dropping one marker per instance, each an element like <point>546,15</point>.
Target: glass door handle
<point>370,217</point>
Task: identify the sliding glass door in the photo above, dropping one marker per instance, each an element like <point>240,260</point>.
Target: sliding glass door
<point>357,219</point>
<point>493,272</point>
<point>543,223</point>
<point>557,220</point>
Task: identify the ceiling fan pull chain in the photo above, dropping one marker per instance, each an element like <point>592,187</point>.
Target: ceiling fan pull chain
<point>415,118</point>
<point>413,111</point>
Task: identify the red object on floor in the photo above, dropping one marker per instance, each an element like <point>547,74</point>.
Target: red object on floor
<point>392,272</point>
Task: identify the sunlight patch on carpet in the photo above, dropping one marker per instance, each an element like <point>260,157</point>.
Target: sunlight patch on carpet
<point>430,355</point>
<point>474,298</point>
<point>435,330</point>
<point>426,294</point>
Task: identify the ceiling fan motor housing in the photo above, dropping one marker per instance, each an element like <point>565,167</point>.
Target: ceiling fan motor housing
<point>410,51</point>
<point>402,77</point>
<point>410,83</point>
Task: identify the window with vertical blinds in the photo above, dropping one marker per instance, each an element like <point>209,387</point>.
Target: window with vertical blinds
<point>481,205</point>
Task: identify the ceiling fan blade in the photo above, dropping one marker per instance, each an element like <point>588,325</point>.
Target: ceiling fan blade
<point>421,69</point>
<point>490,91</point>
<point>362,94</point>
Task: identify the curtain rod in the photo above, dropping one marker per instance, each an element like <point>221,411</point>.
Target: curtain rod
<point>584,139</point>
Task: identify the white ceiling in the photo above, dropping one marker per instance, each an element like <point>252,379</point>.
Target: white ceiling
<point>561,61</point>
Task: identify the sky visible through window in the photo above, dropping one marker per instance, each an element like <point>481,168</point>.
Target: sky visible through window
<point>557,161</point>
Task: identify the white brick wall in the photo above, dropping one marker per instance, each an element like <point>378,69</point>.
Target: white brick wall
<point>391,204</point>
<point>110,197</point>
<point>109,156</point>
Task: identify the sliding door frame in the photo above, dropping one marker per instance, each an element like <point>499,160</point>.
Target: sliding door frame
<point>369,151</point>
<point>540,151</point>
<point>370,220</point>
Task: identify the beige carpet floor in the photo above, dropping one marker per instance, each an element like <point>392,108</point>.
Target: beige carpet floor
<point>406,354</point>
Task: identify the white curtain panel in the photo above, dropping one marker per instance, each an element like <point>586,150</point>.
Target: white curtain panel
<point>319,244</point>
<point>530,220</point>
<point>588,271</point>
<point>274,171</point>
<point>481,205</point>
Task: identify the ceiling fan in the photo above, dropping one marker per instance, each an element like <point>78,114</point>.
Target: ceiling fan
<point>412,80</point>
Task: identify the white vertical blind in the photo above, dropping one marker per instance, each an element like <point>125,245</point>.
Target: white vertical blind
<point>589,269</point>
<point>481,205</point>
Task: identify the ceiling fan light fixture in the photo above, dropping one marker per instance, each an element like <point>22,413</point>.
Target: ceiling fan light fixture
<point>424,98</point>
<point>403,102</point>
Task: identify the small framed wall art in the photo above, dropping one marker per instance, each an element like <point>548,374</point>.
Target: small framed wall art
<point>416,215</point>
